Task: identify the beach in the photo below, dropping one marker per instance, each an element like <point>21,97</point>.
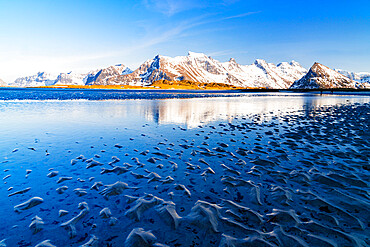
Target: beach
<point>223,168</point>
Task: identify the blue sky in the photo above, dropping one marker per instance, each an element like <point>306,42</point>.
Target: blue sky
<point>60,36</point>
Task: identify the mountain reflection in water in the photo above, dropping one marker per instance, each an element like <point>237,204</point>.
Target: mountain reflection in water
<point>186,112</point>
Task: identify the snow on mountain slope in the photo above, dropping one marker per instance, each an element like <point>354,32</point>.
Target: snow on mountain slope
<point>40,79</point>
<point>365,81</point>
<point>2,83</point>
<point>198,67</point>
<point>259,74</point>
<point>70,78</point>
<point>292,71</point>
<point>362,77</point>
<point>320,76</point>
<point>45,79</point>
<point>144,75</point>
<point>353,75</point>
<point>99,76</point>
<point>103,76</point>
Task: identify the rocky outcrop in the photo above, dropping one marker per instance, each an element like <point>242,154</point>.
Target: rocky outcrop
<point>322,77</point>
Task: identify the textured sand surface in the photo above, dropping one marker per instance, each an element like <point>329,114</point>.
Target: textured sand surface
<point>293,178</point>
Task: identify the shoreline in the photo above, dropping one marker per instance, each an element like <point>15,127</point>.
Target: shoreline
<point>180,88</point>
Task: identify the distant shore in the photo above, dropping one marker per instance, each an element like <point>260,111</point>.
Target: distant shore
<point>128,87</point>
<point>185,85</point>
<point>175,85</point>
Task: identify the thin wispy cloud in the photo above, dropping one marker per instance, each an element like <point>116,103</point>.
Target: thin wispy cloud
<point>64,63</point>
<point>228,2</point>
<point>154,36</point>
<point>171,7</point>
<point>241,15</point>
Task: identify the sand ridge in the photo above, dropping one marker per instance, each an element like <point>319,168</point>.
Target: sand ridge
<point>300,179</point>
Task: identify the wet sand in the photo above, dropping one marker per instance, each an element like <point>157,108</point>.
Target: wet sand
<point>298,177</point>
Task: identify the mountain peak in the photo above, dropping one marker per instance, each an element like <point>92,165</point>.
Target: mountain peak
<point>317,64</point>
<point>320,68</point>
<point>260,62</point>
<point>320,76</point>
<point>232,60</point>
<point>294,63</point>
<point>122,69</point>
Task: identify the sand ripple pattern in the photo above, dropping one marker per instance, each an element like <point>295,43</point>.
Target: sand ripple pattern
<point>299,179</point>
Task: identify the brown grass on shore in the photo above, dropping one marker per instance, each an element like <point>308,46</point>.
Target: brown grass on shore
<point>161,84</point>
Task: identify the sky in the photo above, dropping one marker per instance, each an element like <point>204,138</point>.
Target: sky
<point>62,36</point>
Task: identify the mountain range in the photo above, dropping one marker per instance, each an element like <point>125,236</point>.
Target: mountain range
<point>360,77</point>
<point>71,78</point>
<point>2,83</point>
<point>198,67</point>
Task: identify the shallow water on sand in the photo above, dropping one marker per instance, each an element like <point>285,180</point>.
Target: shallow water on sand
<point>252,170</point>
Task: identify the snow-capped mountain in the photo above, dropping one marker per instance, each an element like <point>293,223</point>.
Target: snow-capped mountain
<point>365,79</point>
<point>353,75</point>
<point>2,83</point>
<point>362,77</point>
<point>104,76</point>
<point>320,76</point>
<point>198,67</point>
<point>93,77</point>
<point>38,80</point>
<point>70,78</point>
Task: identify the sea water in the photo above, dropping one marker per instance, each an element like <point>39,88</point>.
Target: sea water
<point>184,168</point>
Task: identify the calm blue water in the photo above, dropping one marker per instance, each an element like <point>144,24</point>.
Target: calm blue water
<point>104,94</point>
<point>307,137</point>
